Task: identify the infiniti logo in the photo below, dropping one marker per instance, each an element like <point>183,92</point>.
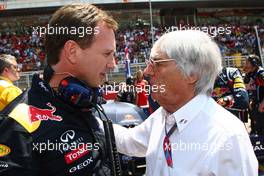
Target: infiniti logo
<point>67,135</point>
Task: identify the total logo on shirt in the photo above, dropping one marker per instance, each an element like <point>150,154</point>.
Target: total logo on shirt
<point>76,154</point>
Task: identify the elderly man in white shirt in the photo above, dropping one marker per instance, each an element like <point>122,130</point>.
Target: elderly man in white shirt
<point>190,134</point>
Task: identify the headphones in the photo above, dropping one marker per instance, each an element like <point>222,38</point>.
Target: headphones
<point>74,91</point>
<point>254,60</point>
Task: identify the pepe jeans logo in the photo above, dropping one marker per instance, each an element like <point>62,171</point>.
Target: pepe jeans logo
<point>4,150</point>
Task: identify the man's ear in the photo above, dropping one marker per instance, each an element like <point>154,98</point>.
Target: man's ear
<point>192,79</point>
<point>70,51</point>
<point>5,70</point>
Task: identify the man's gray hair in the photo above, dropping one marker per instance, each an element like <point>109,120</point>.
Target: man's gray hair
<point>5,60</point>
<point>195,53</point>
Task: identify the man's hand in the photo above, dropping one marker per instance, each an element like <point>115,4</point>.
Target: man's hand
<point>261,107</point>
<point>221,102</point>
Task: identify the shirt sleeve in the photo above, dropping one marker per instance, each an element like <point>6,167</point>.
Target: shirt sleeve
<point>235,157</point>
<point>10,93</point>
<point>240,93</point>
<point>16,150</point>
<point>133,141</point>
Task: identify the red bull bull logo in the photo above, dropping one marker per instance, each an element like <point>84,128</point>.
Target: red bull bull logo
<point>219,91</point>
<point>37,114</point>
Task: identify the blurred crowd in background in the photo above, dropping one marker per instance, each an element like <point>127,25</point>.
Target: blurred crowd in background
<point>27,46</point>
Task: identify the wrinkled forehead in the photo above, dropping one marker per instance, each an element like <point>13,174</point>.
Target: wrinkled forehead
<point>156,53</point>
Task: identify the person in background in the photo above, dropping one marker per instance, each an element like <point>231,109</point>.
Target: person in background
<point>9,72</point>
<point>230,92</point>
<point>126,91</point>
<point>153,104</point>
<point>141,92</point>
<point>255,84</point>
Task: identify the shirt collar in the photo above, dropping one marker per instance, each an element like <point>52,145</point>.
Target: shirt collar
<point>188,112</point>
<point>41,86</point>
<point>6,79</point>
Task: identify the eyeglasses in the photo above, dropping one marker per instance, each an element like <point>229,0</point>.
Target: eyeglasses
<point>15,67</point>
<point>153,63</point>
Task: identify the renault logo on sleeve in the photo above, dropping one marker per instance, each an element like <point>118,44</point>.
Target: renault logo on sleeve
<point>67,136</point>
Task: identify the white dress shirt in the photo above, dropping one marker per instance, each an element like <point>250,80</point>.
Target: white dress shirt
<point>209,141</point>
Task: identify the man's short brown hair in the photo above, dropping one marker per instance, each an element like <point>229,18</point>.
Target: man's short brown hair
<point>74,16</point>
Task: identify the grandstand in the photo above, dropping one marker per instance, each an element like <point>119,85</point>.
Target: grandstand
<point>18,18</point>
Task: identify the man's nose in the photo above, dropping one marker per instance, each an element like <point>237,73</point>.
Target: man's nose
<point>111,65</point>
<point>148,71</point>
